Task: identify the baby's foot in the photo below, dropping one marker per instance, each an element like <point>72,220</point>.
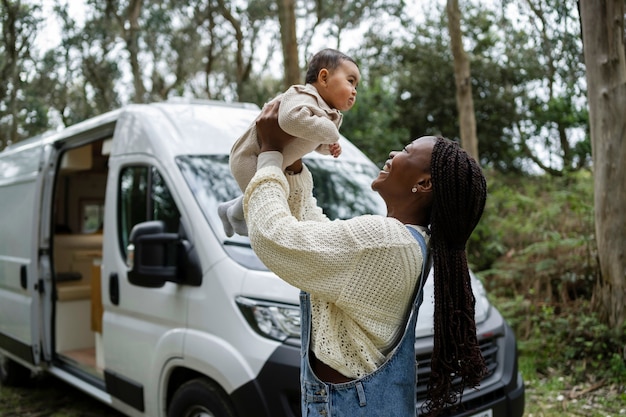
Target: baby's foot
<point>237,221</point>
<point>222,210</point>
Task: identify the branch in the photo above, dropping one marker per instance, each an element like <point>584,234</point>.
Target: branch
<point>534,158</point>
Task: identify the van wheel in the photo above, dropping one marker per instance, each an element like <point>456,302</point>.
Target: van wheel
<point>200,398</point>
<point>12,373</point>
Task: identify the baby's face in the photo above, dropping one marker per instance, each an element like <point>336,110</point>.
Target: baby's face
<point>339,90</point>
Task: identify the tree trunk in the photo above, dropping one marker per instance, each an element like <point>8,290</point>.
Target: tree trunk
<point>287,19</point>
<point>603,42</point>
<point>132,45</point>
<point>130,28</point>
<point>236,24</point>
<point>462,78</point>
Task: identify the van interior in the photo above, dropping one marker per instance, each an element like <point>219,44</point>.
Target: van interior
<point>77,219</point>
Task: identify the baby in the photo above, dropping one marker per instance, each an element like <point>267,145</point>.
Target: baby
<point>310,112</point>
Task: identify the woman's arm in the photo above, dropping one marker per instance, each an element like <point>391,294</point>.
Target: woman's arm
<point>301,202</point>
<point>296,250</point>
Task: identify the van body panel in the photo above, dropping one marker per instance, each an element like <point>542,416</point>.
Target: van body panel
<point>265,286</point>
<point>237,356</point>
<point>79,383</point>
<point>228,366</point>
<point>278,383</point>
<point>21,292</point>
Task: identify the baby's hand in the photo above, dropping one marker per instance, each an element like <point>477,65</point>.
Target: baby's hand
<point>335,149</point>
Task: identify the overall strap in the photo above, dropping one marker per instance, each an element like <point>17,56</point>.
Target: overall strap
<point>426,264</point>
<point>418,292</point>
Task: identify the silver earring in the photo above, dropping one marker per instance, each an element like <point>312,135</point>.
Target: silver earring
<point>414,189</point>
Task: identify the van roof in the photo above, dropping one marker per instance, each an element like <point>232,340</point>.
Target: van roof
<point>176,127</point>
<point>195,128</point>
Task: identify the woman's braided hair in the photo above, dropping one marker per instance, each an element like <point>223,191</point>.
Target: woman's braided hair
<point>459,194</point>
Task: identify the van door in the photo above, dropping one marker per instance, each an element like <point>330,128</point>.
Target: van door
<point>139,323</point>
<point>23,287</point>
<point>48,175</point>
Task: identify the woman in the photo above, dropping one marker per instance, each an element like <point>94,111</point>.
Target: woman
<point>359,276</point>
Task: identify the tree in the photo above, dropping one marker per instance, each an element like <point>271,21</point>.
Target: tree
<point>554,104</point>
<point>246,31</point>
<point>463,82</point>
<point>126,17</point>
<point>287,19</point>
<point>418,67</point>
<point>370,123</point>
<point>19,23</point>
<point>334,17</point>
<point>84,68</point>
<point>603,40</point>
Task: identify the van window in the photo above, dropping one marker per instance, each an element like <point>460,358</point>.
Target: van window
<point>144,196</point>
<point>92,216</point>
<point>342,189</point>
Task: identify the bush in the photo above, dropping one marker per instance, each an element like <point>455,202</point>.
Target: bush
<point>535,252</point>
<point>537,238</point>
<point>577,344</point>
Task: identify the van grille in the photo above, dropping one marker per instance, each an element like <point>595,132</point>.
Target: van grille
<point>489,349</point>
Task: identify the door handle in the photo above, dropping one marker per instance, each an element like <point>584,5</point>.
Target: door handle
<point>114,288</point>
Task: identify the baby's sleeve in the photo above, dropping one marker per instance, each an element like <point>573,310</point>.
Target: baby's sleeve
<point>300,115</point>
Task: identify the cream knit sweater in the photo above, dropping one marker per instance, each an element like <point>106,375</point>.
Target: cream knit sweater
<point>361,272</point>
<point>303,113</point>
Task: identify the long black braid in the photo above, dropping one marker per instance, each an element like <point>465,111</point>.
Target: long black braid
<point>459,194</point>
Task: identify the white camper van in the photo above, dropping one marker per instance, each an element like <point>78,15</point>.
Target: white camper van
<point>116,275</point>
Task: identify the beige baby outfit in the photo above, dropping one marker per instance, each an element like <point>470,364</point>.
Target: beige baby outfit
<point>303,113</point>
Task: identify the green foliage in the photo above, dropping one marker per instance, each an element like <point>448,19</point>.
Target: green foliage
<point>527,83</point>
<point>21,115</point>
<point>537,233</point>
<point>370,123</point>
<point>536,253</point>
<point>526,79</point>
<point>573,341</point>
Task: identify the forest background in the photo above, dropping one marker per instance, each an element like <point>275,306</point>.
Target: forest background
<point>535,249</point>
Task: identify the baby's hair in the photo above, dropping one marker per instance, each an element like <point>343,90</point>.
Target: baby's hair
<point>459,195</point>
<point>326,58</point>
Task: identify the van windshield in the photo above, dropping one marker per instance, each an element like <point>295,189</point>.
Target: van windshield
<point>342,188</point>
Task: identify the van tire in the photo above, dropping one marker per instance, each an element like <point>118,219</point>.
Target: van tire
<point>199,397</point>
<point>13,374</point>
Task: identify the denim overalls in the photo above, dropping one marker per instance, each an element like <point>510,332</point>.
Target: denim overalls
<point>389,391</point>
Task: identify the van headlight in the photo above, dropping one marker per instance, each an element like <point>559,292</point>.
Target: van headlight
<point>273,320</point>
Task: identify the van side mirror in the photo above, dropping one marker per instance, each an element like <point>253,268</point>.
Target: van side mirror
<point>154,257</point>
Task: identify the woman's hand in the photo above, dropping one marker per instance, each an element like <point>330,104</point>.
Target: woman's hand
<point>269,134</point>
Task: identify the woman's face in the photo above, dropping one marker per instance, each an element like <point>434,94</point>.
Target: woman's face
<point>405,169</point>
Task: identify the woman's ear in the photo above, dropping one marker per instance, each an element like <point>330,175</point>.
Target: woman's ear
<point>424,185</point>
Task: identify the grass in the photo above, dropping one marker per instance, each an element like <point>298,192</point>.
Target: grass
<point>550,393</point>
<point>557,396</point>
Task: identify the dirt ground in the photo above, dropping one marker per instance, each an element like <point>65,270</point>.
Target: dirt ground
<point>49,397</point>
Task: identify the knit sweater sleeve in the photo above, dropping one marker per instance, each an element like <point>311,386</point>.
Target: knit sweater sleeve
<point>302,204</point>
<point>301,115</point>
<point>324,258</point>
